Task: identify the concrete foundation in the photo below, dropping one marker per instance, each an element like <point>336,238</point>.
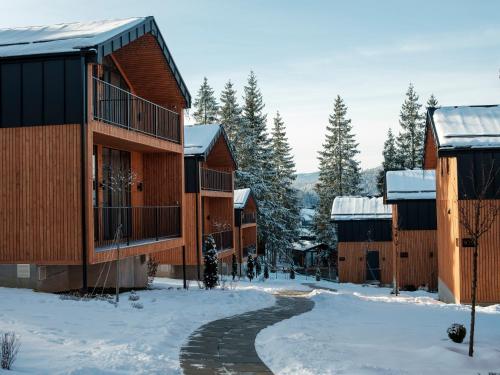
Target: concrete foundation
<point>52,278</point>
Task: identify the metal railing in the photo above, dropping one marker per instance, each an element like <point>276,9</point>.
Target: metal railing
<point>223,240</point>
<point>212,179</point>
<point>119,107</point>
<point>248,217</point>
<point>138,224</point>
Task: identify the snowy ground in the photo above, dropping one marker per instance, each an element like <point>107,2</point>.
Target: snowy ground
<point>364,330</point>
<point>358,330</point>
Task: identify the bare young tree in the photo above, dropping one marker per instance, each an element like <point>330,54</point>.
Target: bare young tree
<point>119,181</point>
<point>477,219</point>
<point>395,241</point>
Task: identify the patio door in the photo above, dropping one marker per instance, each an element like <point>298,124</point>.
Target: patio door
<point>372,266</point>
<point>116,192</point>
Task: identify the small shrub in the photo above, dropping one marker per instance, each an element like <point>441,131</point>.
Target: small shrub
<point>266,272</point>
<point>152,270</point>
<point>133,296</point>
<point>292,272</point>
<point>137,305</point>
<point>210,274</point>
<point>410,288</point>
<point>234,267</point>
<point>250,268</point>
<point>457,332</point>
<point>10,346</point>
<point>318,275</point>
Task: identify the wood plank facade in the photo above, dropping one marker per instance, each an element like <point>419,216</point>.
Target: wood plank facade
<point>245,230</point>
<point>55,205</point>
<point>454,167</point>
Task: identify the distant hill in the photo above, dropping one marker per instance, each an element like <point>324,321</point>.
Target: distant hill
<point>305,183</point>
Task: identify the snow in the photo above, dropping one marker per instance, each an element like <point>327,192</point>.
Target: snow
<point>199,139</point>
<point>360,208</point>
<point>65,37</point>
<point>467,126</point>
<point>93,337</point>
<point>356,330</point>
<point>241,197</point>
<point>304,245</point>
<point>307,214</point>
<point>411,184</point>
<point>364,330</point>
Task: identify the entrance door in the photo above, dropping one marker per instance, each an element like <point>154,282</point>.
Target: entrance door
<point>372,266</point>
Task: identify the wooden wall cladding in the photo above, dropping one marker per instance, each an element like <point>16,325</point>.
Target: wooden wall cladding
<point>488,287</point>
<point>430,151</point>
<point>40,199</point>
<point>162,179</point>
<point>353,268</point>
<point>447,224</point>
<point>220,157</point>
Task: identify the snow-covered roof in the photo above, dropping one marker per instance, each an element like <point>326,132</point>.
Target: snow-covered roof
<point>241,197</point>
<point>305,245</point>
<point>410,184</point>
<point>360,208</point>
<point>200,139</point>
<point>63,37</point>
<point>467,127</point>
<point>101,37</point>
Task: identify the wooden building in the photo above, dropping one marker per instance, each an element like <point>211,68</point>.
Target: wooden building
<point>82,106</point>
<point>412,194</point>
<point>363,227</point>
<point>209,193</point>
<point>462,144</point>
<point>245,224</point>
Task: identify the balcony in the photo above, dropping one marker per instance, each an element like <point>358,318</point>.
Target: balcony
<point>248,217</point>
<point>120,108</point>
<point>139,225</point>
<point>215,180</point>
<point>223,240</point>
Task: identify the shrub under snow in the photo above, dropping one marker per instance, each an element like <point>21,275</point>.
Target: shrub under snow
<point>457,332</point>
<point>10,346</point>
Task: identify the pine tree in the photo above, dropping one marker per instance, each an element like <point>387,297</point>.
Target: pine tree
<point>338,170</point>
<point>284,196</point>
<point>205,105</point>
<point>234,270</point>
<point>250,266</point>
<point>230,114</point>
<point>210,277</point>
<point>432,102</point>
<point>390,162</point>
<point>258,268</point>
<point>411,138</point>
<point>292,272</point>
<point>266,271</point>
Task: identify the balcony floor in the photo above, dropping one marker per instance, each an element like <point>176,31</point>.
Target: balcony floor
<point>146,241</point>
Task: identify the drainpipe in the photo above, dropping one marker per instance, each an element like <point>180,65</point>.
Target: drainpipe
<point>83,175</point>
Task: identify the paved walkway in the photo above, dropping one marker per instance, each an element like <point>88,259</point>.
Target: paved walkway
<point>314,286</point>
<point>227,346</point>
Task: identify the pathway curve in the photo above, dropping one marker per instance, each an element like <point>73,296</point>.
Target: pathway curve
<point>227,346</point>
<point>314,286</point>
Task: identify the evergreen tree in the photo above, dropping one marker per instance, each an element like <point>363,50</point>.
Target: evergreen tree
<point>338,170</point>
<point>230,114</point>
<point>250,266</point>
<point>284,195</point>
<point>258,268</point>
<point>234,270</point>
<point>432,102</point>
<point>318,274</point>
<point>390,162</point>
<point>210,277</point>
<point>266,271</point>
<point>205,105</point>
<point>292,272</point>
<point>411,138</point>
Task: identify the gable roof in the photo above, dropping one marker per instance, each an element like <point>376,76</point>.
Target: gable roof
<point>199,140</point>
<point>410,184</point>
<point>465,127</point>
<point>360,208</point>
<point>241,197</point>
<point>99,37</point>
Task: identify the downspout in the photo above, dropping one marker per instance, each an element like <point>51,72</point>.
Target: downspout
<point>198,199</point>
<point>83,175</point>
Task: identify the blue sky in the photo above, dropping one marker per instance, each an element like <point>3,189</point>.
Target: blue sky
<point>306,52</point>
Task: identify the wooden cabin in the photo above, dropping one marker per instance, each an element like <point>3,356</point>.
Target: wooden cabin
<point>363,227</point>
<point>412,194</point>
<point>91,140</point>
<point>245,224</point>
<point>209,194</point>
<point>462,144</point>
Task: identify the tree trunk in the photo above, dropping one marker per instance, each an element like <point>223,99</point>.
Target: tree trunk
<point>473,310</point>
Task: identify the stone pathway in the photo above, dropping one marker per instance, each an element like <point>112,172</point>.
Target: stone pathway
<point>227,346</point>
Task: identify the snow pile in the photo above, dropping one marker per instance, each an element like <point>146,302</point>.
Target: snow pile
<point>241,197</point>
<point>93,337</point>
<point>360,208</point>
<point>411,184</point>
<point>64,37</point>
<point>467,126</point>
<point>365,330</point>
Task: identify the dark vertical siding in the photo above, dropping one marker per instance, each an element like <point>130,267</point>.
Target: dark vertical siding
<point>192,178</point>
<point>364,230</point>
<point>473,168</point>
<point>41,92</point>
<point>417,215</point>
